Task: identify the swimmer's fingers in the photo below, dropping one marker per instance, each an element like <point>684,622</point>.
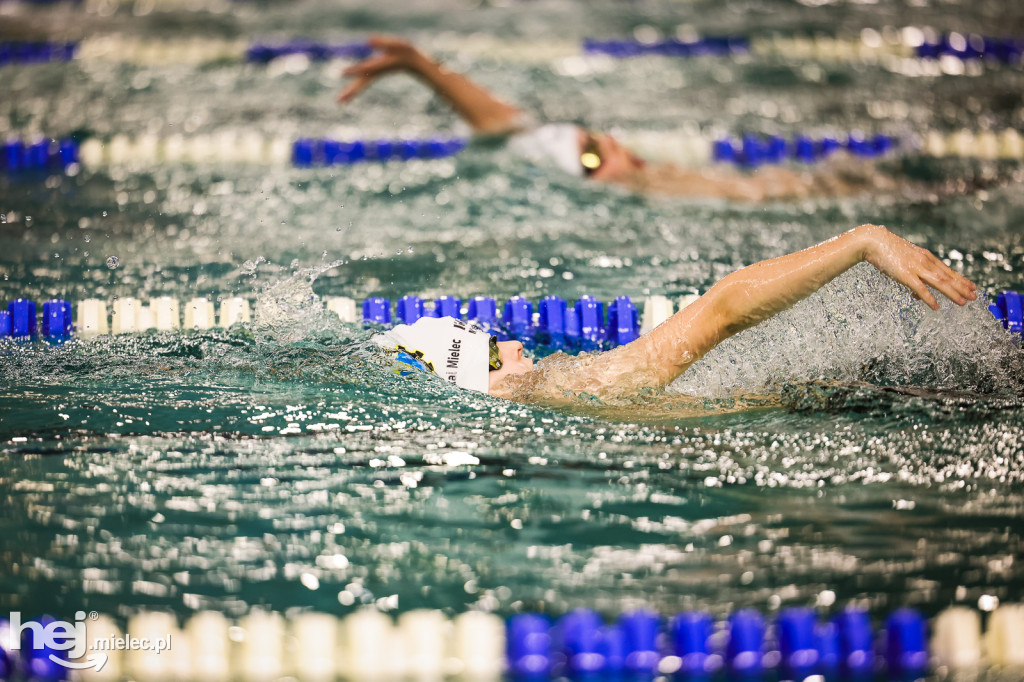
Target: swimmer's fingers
<point>953,286</point>
<point>373,66</point>
<point>947,284</point>
<point>364,73</point>
<point>921,292</point>
<point>966,285</point>
<point>354,88</point>
<point>967,288</point>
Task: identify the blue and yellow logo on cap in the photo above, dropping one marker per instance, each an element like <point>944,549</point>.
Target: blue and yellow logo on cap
<point>407,362</point>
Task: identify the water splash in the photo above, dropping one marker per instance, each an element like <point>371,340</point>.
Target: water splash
<point>863,327</point>
<point>287,310</point>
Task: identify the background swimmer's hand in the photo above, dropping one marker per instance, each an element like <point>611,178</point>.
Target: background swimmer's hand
<point>390,54</point>
<point>914,267</point>
<point>484,112</point>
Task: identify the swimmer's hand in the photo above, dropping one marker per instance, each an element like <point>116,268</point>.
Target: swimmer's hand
<point>390,54</point>
<point>484,112</point>
<point>914,267</point>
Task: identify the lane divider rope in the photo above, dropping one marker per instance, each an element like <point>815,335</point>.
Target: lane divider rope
<point>37,154</point>
<point>870,47</point>
<point>586,324</point>
<point>426,644</point>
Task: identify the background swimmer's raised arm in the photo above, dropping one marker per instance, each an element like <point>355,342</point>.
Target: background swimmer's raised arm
<point>482,110</point>
<point>753,294</point>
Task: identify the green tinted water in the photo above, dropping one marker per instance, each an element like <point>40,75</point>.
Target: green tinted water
<point>216,469</point>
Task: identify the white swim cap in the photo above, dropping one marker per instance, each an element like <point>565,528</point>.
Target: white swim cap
<point>456,350</point>
<point>557,143</point>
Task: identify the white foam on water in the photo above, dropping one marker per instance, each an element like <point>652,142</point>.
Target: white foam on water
<point>286,309</point>
<point>862,326</point>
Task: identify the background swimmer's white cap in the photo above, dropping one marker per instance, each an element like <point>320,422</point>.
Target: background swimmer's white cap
<point>456,350</point>
<point>557,143</point>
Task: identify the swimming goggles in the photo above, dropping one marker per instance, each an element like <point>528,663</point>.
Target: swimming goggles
<point>590,156</point>
<point>494,359</point>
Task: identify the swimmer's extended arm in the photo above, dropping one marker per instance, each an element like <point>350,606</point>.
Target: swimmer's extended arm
<point>483,111</point>
<point>759,291</point>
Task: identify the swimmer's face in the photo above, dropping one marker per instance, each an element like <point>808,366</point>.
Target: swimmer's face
<point>616,162</point>
<point>512,362</point>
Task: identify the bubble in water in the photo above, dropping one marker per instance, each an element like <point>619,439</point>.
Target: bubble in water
<point>104,214</point>
<point>86,254</point>
<point>88,238</point>
<point>337,229</point>
<point>113,262</point>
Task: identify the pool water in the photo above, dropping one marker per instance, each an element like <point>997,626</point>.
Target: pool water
<point>857,449</point>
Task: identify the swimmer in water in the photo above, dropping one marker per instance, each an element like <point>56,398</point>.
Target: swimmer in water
<point>474,360</point>
<point>595,155</point>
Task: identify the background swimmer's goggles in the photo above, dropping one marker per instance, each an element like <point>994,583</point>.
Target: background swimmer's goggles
<point>494,360</point>
<point>590,157</point>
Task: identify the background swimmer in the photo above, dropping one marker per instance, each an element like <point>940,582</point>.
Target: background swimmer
<point>597,155</point>
<point>738,301</point>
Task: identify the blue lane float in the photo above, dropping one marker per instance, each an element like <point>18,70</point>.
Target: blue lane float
<point>39,52</point>
<point>557,325</point>
<point>20,321</point>
<point>755,150</point>
<point>38,155</point>
<point>551,319</point>
<point>907,643</point>
<point>856,643</point>
<point>261,53</point>
<point>1009,309</point>
<point>517,321</point>
<point>57,321</point>
<point>377,311</point>
<point>796,645</point>
<point>308,152</point>
<point>708,46</point>
<point>528,645</point>
<point>746,643</point>
<point>483,311</point>
<point>798,639</point>
<point>972,47</point>
<point>23,318</point>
